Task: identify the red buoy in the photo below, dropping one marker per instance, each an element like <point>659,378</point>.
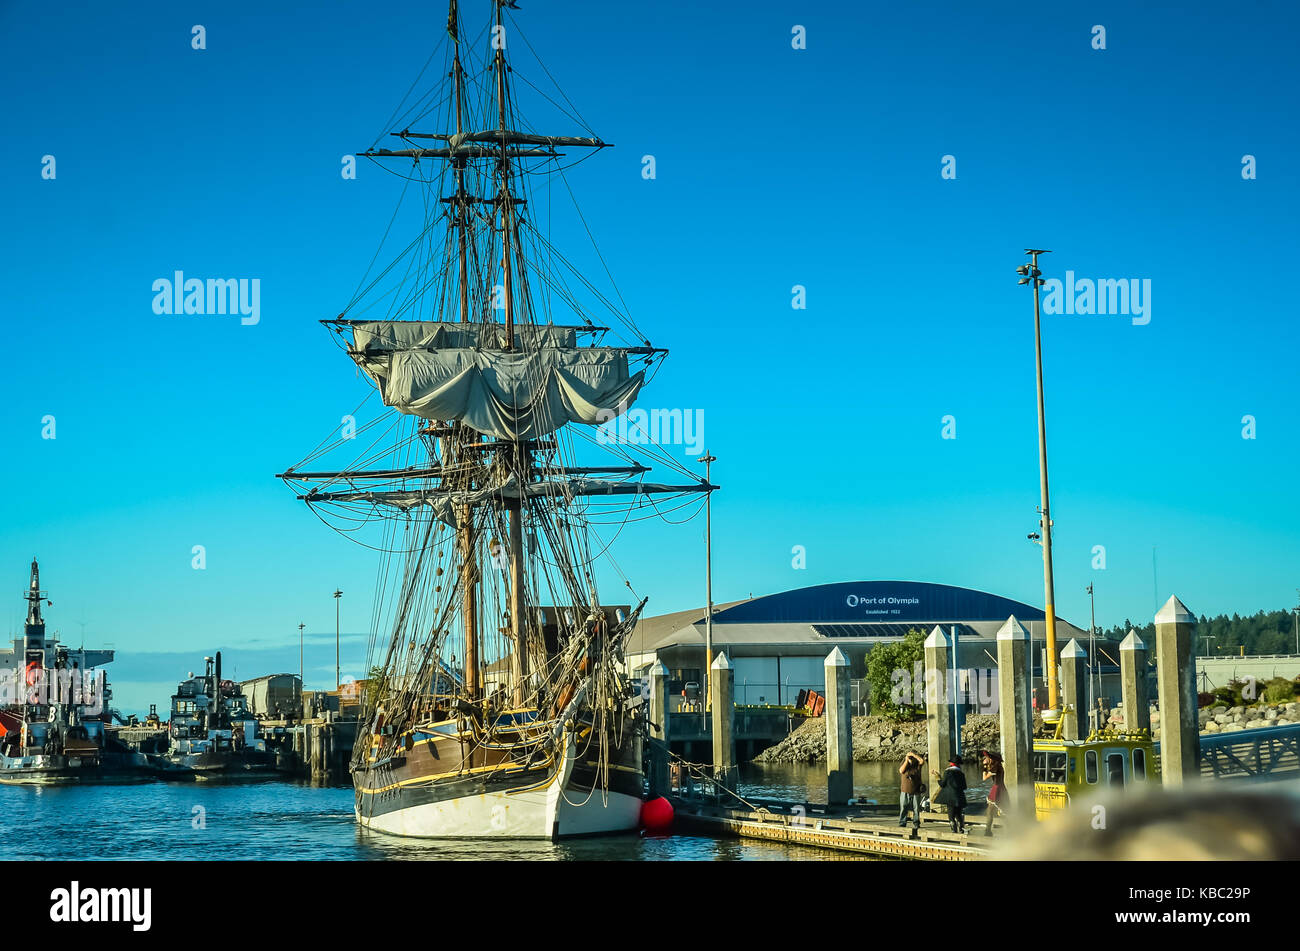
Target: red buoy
<point>657,815</point>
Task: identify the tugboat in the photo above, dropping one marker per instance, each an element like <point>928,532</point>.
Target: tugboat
<point>53,710</point>
<point>212,734</point>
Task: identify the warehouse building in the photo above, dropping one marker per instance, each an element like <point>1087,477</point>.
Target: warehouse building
<point>777,644</point>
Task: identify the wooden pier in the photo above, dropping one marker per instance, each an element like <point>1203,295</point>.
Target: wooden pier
<point>864,829</point>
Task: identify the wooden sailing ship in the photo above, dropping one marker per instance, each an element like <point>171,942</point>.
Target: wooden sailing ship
<point>497,704</point>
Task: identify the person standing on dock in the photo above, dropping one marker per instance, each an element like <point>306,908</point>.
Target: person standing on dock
<point>991,768</point>
<point>952,793</point>
<point>910,776</point>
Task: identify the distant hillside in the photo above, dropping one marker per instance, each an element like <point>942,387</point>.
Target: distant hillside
<point>1268,632</point>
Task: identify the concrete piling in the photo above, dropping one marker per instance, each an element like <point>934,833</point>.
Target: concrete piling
<point>1074,691</point>
<point>1180,743</point>
<point>721,701</point>
<point>839,730</point>
<point>659,677</point>
<point>1134,692</point>
<point>938,711</point>
<point>1014,714</point>
<point>658,713</point>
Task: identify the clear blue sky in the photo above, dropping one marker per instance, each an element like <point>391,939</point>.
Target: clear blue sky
<point>775,167</point>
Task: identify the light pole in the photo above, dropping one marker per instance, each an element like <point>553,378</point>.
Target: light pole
<point>1092,647</point>
<point>1297,625</point>
<point>1030,274</point>
<point>338,680</point>
<point>301,671</point>
<point>708,459</point>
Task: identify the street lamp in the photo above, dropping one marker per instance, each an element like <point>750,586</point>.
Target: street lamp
<point>338,680</point>
<point>1031,275</point>
<point>708,459</point>
<point>1297,624</point>
<point>301,671</point>
<point>1092,648</point>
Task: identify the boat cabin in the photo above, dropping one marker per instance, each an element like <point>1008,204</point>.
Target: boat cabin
<point>1065,769</point>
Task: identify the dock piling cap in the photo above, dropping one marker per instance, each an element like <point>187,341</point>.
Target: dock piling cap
<point>836,658</point>
<point>721,663</point>
<point>1074,649</point>
<point>1012,630</point>
<point>937,638</point>
<point>1132,642</point>
<point>1175,612</point>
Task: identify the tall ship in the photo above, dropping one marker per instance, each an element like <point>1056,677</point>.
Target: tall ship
<point>54,709</point>
<point>496,701</point>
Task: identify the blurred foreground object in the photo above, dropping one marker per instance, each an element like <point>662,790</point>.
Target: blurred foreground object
<point>1200,822</point>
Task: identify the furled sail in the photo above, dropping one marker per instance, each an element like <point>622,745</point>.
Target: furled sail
<point>374,338</point>
<point>449,371</point>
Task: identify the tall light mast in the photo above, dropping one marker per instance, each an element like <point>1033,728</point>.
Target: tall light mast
<point>1030,274</point>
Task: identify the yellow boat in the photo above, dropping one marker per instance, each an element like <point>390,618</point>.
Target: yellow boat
<point>1066,769</point>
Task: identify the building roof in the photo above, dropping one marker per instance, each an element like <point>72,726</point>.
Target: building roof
<point>856,611</point>
<point>651,631</point>
<point>253,680</point>
<point>896,601</point>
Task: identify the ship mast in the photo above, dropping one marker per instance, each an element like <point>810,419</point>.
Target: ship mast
<point>35,623</point>
<point>518,456</point>
<point>462,435</point>
<point>464,481</point>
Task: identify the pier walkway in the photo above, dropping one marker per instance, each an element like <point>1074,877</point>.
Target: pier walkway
<point>867,828</point>
<point>1260,753</point>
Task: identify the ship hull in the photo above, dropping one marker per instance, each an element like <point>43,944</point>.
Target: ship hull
<point>108,769</point>
<point>560,799</point>
<point>51,771</point>
<point>223,766</point>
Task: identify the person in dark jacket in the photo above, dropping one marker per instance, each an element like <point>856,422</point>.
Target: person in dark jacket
<point>952,793</point>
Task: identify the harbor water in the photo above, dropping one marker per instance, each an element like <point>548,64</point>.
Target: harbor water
<point>277,820</point>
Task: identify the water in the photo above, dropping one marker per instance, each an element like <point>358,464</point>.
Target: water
<point>279,820</point>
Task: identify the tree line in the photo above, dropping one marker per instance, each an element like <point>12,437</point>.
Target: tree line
<point>1266,632</point>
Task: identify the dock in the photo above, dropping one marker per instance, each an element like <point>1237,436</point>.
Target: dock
<point>867,829</point>
<point>319,748</point>
<point>822,826</point>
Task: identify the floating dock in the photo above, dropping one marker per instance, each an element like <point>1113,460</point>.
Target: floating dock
<point>867,829</point>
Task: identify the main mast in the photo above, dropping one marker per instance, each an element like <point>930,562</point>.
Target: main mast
<point>462,435</point>
<point>519,458</point>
